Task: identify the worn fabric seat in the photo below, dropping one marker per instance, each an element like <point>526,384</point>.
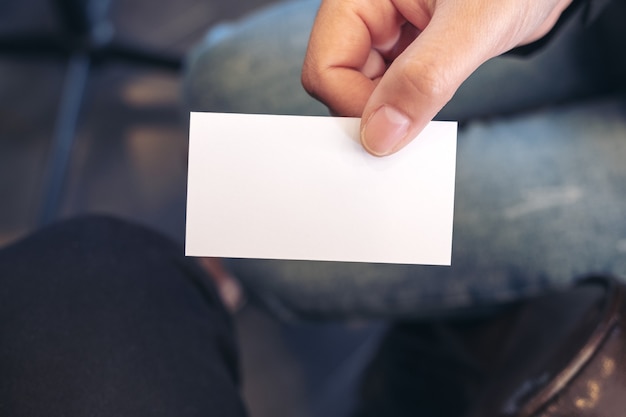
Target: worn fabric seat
<point>566,358</point>
<point>558,354</point>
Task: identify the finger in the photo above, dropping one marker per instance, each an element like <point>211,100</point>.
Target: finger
<point>342,63</point>
<point>421,81</point>
<point>458,38</point>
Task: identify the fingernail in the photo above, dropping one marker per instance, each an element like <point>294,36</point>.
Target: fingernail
<point>384,130</point>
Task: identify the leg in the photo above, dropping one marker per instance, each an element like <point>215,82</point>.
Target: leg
<point>538,203</point>
<point>538,194</point>
<point>99,317</point>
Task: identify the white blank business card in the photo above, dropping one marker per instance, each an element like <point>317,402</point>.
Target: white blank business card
<point>303,188</point>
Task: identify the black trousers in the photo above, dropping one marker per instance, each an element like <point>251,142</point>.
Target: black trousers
<point>99,317</point>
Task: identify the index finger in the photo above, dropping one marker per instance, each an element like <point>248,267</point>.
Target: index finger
<point>341,56</point>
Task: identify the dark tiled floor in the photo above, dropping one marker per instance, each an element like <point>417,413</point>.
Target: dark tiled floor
<point>131,125</point>
<point>130,160</point>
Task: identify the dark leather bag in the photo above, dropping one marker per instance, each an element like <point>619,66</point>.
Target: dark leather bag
<point>566,357</point>
<point>562,354</point>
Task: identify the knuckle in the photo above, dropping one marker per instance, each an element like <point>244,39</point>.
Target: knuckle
<point>308,80</point>
<point>427,80</point>
<point>311,79</point>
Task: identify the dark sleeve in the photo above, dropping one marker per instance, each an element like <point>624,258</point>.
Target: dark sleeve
<point>591,9</point>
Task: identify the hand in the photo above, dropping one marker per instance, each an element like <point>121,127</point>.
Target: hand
<point>396,63</point>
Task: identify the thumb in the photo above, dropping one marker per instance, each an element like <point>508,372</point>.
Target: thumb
<point>419,82</point>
